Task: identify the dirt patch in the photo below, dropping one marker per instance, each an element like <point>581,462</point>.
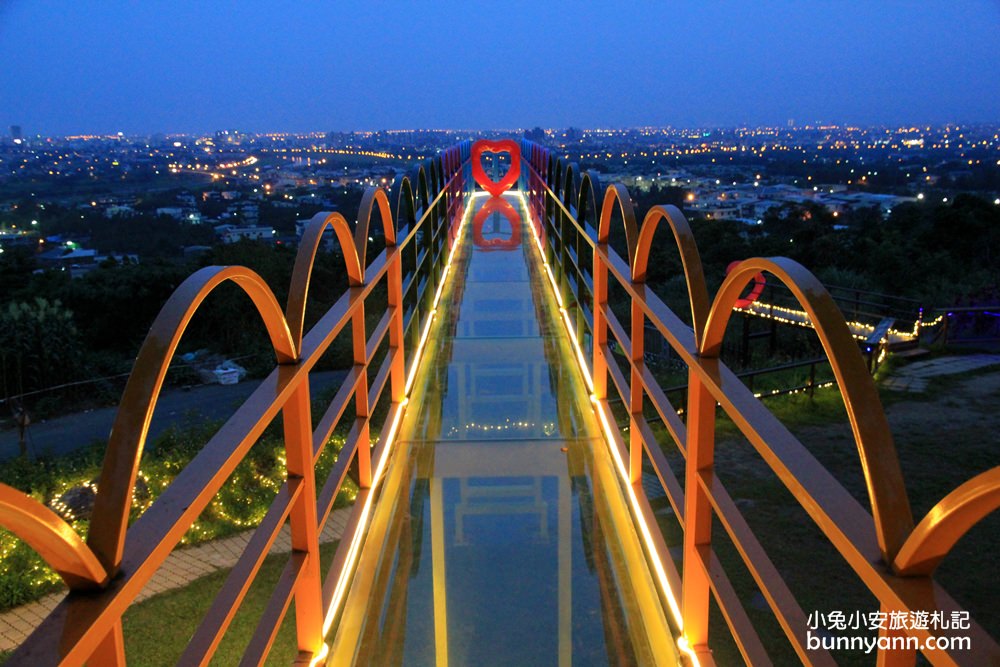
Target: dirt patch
<point>943,438</point>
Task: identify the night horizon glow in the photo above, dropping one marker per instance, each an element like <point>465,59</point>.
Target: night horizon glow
<point>188,68</point>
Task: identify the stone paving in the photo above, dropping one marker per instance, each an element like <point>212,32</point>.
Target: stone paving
<point>181,568</point>
<point>914,377</point>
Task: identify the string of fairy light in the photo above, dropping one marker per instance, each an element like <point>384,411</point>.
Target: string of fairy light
<point>232,509</point>
<point>800,318</point>
<point>547,428</point>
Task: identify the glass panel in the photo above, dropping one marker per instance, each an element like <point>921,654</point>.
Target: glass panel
<point>502,536</point>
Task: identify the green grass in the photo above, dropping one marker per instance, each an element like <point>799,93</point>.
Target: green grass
<point>157,630</point>
<point>176,614</point>
<point>943,437</point>
<point>239,505</point>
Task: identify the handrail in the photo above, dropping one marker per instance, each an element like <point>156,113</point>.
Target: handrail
<point>868,544</point>
<point>87,625</point>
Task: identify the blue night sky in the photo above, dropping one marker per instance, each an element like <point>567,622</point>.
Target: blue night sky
<point>181,66</point>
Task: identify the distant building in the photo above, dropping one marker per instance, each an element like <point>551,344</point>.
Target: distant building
<point>730,212</point>
<point>16,134</point>
<point>171,211</point>
<point>119,211</point>
<point>233,233</point>
<point>67,257</point>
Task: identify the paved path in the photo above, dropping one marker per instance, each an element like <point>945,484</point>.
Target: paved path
<point>914,377</point>
<point>181,568</point>
<point>214,402</point>
<point>801,318</point>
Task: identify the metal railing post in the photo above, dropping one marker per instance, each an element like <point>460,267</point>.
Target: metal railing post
<point>695,587</point>
<point>297,417</point>
<point>636,394</point>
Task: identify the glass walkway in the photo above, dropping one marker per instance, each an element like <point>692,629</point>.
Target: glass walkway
<point>501,535</point>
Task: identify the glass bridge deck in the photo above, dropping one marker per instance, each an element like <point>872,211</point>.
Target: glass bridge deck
<point>501,535</point>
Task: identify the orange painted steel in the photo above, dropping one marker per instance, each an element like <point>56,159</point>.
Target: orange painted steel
<point>893,558</point>
<point>947,522</point>
<point>52,538</point>
<point>106,573</point>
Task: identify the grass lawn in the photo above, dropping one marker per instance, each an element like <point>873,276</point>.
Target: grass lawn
<point>943,437</point>
<point>158,629</point>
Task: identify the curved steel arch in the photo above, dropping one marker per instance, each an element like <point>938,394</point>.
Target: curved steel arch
<point>369,200</point>
<point>422,192</point>
<point>617,194</point>
<point>883,476</point>
<point>555,174</point>
<point>128,435</point>
<point>947,522</point>
<point>52,538</point>
<point>406,208</point>
<point>559,187</point>
<point>571,189</point>
<point>694,275</point>
<point>305,257</point>
<point>590,186</point>
<point>434,169</point>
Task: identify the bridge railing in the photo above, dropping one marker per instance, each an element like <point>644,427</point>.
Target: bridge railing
<point>106,572</point>
<point>893,556</point>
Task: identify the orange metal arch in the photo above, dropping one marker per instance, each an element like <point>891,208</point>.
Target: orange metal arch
<point>879,461</point>
<point>298,291</point>
<point>128,435</point>
<point>590,186</point>
<point>617,194</point>
<point>372,197</point>
<point>54,539</point>
<point>694,275</point>
<point>558,172</point>
<point>405,198</point>
<point>569,197</point>
<point>422,192</point>
<point>434,169</point>
<point>948,522</point>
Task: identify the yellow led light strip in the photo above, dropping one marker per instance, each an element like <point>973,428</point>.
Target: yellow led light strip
<point>562,306</point>
<point>644,529</point>
<point>440,290</point>
<point>347,573</point>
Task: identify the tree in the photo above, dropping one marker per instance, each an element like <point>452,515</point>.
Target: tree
<point>39,345</point>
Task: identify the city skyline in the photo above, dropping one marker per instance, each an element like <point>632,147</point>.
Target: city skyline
<point>193,69</point>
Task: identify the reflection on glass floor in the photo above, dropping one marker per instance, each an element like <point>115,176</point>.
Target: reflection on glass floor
<point>501,536</point>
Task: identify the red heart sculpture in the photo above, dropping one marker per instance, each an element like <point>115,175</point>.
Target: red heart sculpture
<point>758,287</point>
<point>491,206</point>
<point>503,146</point>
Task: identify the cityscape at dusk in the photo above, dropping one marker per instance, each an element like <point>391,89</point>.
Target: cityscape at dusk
<point>409,334</point>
